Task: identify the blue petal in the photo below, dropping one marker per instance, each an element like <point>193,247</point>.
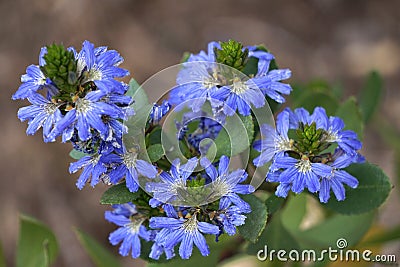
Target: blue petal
<point>210,169</point>
<point>118,235</point>
<point>186,247</point>
<point>282,190</point>
<point>201,243</point>
<point>208,228</point>
<point>165,222</point>
<point>119,220</point>
<point>338,189</point>
<point>346,178</point>
<point>132,180</point>
<point>88,49</point>
<point>325,190</point>
<point>146,169</point>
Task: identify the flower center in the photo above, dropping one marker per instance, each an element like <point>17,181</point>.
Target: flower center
<point>50,109</point>
<point>331,136</point>
<point>220,187</point>
<point>82,105</point>
<point>304,165</point>
<point>190,225</point>
<point>238,87</point>
<point>129,159</point>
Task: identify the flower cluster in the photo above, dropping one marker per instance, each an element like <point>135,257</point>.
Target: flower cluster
<point>84,104</point>
<point>309,151</point>
<point>168,225</point>
<point>217,76</point>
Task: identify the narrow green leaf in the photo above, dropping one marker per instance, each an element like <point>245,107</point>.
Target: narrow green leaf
<point>256,220</point>
<point>2,257</point>
<point>373,189</point>
<point>385,237</point>
<point>75,154</point>
<point>119,194</point>
<point>370,96</point>
<point>350,113</point>
<point>324,235</point>
<point>275,236</point>
<point>99,254</point>
<point>37,245</point>
<point>397,166</point>
<point>155,152</point>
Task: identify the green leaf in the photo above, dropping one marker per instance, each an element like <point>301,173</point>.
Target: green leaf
<point>75,154</point>
<point>37,245</point>
<point>349,112</point>
<point>99,254</point>
<point>370,96</point>
<point>236,136</point>
<point>155,152</point>
<point>275,236</point>
<point>326,234</point>
<point>137,123</point>
<point>373,189</point>
<point>256,220</point>
<point>310,100</point>
<point>119,194</point>
<point>274,203</point>
<point>2,258</point>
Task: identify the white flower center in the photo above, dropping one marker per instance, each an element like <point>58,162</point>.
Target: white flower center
<point>220,187</point>
<point>82,105</point>
<point>50,109</point>
<point>282,144</point>
<point>190,225</point>
<point>331,136</point>
<point>238,87</point>
<point>129,159</point>
<point>304,165</point>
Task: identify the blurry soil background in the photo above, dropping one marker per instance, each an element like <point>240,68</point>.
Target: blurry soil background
<point>338,40</point>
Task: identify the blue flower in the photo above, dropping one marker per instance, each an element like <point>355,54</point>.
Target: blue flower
<point>100,66</point>
<point>32,81</point>
<point>300,174</point>
<point>130,231</point>
<point>42,113</point>
<point>184,231</point>
<point>87,115</point>
<point>338,177</point>
<point>346,139</point>
<point>92,166</point>
<point>172,184</point>
<point>203,79</point>
<point>129,166</point>
<point>274,140</point>
<point>196,83</point>
<point>226,185</point>
<point>240,95</point>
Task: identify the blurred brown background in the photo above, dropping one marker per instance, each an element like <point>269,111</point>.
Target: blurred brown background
<point>337,40</point>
